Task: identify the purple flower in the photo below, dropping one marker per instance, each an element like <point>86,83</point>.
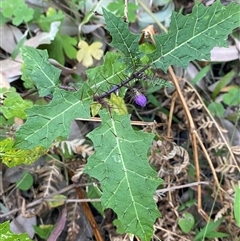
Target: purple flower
<point>140,99</point>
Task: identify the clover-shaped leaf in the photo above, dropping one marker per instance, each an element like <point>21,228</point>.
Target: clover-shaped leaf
<point>88,52</point>
<point>9,7</point>
<point>232,97</point>
<point>20,17</point>
<point>15,9</point>
<point>62,45</point>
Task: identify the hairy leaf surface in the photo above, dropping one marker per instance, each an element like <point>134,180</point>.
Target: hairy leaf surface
<point>45,123</point>
<point>192,37</point>
<point>37,68</point>
<point>102,78</point>
<point>122,38</point>
<point>127,180</point>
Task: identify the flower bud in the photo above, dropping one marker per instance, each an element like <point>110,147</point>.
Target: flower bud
<point>140,99</point>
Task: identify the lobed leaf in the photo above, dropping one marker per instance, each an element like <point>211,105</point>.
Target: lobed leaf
<point>122,38</point>
<point>104,77</point>
<point>46,123</point>
<point>127,180</point>
<point>37,68</point>
<point>62,46</point>
<point>191,37</point>
<point>15,9</point>
<point>19,17</point>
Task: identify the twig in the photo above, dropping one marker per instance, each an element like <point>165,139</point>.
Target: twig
<point>146,9</point>
<point>169,189</point>
<point>193,134</point>
<point>72,200</point>
<point>217,126</point>
<point>172,233</point>
<point>49,197</point>
<point>88,212</point>
<point>135,123</point>
<point>125,17</point>
<point>171,115</point>
<point>59,226</point>
<point>135,75</point>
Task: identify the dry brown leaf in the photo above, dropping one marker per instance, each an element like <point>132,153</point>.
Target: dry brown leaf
<point>10,35</point>
<point>147,33</point>
<point>224,54</point>
<point>3,81</point>
<point>11,69</point>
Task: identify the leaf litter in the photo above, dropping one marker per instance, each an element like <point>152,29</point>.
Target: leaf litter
<point>170,156</point>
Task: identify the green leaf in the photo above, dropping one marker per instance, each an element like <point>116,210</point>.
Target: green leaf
<point>216,109</point>
<point>15,9</point>
<point>25,182</point>
<point>59,200</point>
<point>12,156</point>
<point>187,204</point>
<point>94,192</point>
<point>118,7</point>
<point>104,77</point>
<point>123,39</point>
<point>9,6</point>
<point>19,45</point>
<point>60,45</point>
<point>209,231</point>
<point>191,37</point>
<point>214,234</point>
<point>46,123</point>
<point>37,68</point>
<point>51,16</point>
<point>55,50</point>
<point>232,98</point>
<point>43,231</point>
<point>201,74</point>
<point>186,222</point>
<point>117,104</point>
<point>7,235</point>
<point>222,83</point>
<point>69,45</point>
<point>13,104</point>
<point>128,182</point>
<point>3,19</point>
<point>237,205</point>
<point>22,14</point>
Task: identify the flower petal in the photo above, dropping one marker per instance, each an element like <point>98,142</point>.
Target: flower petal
<point>88,60</point>
<point>83,44</point>
<point>97,54</point>
<point>141,100</point>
